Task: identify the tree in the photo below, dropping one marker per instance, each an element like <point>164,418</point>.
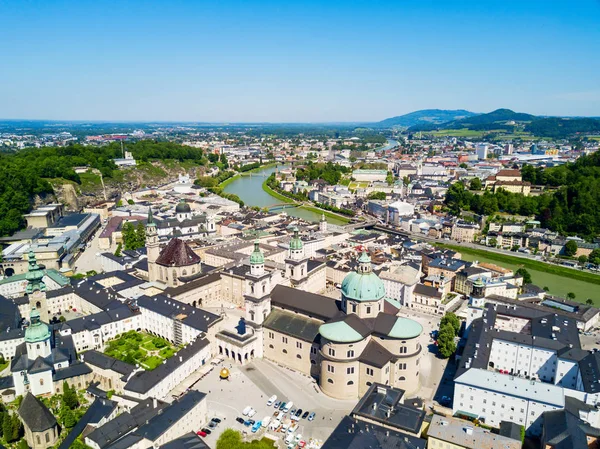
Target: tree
<point>62,319</point>
<point>452,319</point>
<point>377,196</point>
<point>70,396</point>
<point>118,250</point>
<point>406,181</point>
<point>475,184</point>
<point>570,248</point>
<point>463,165</point>
<point>571,295</point>
<point>7,427</point>
<point>582,259</point>
<point>389,178</point>
<point>140,234</point>
<point>525,275</point>
<point>514,248</point>
<point>594,257</point>
<point>23,444</point>
<point>446,344</point>
<point>546,288</point>
<point>17,427</point>
<point>69,419</point>
<point>493,242</point>
<point>589,302</point>
<point>224,161</point>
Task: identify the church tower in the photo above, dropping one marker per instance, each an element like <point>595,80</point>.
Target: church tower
<point>323,224</point>
<point>296,265</point>
<point>152,247</point>
<point>36,288</point>
<point>258,299</point>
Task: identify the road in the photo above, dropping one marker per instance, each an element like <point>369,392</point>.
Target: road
<point>88,260</point>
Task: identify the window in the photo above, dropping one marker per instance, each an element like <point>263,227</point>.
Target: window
<point>350,370</point>
<point>330,381</point>
<point>271,335</point>
<point>368,310</point>
<point>284,351</point>
<point>47,437</point>
<point>331,352</point>
<point>330,369</point>
<point>313,350</point>
<point>298,356</point>
<point>350,353</point>
<point>354,308</point>
<point>39,440</point>
<point>369,371</point>
<point>284,339</point>
<point>299,345</point>
<point>350,382</point>
<point>403,350</point>
<point>402,378</point>
<point>41,381</point>
<point>369,384</point>
<point>401,366</point>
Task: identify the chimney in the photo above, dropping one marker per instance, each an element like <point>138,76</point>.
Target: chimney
<point>154,404</point>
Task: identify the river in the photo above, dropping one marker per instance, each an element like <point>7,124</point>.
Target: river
<point>249,189</point>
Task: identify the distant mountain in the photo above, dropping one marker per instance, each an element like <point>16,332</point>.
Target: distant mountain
<point>498,119</point>
<point>557,127</point>
<point>424,117</point>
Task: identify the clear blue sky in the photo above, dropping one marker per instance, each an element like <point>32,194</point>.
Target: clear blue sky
<point>291,61</point>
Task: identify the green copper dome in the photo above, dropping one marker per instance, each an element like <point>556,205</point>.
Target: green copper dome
<point>37,330</point>
<point>257,258</point>
<point>182,207</point>
<point>339,332</point>
<point>363,284</point>
<point>405,328</point>
<point>296,243</point>
<point>34,275</point>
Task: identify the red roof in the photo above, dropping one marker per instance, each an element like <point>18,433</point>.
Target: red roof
<point>177,254</point>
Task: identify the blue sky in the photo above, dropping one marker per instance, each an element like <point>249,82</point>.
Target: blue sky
<point>292,61</point>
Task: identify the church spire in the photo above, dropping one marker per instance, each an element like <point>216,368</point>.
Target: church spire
<point>34,275</point>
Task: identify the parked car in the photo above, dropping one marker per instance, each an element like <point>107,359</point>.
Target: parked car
<point>240,420</point>
<point>266,421</point>
<point>292,412</point>
<point>305,415</point>
<point>299,412</point>
<point>282,406</point>
<point>212,425</point>
<point>277,404</point>
<point>207,431</point>
<point>251,413</point>
<point>446,401</point>
<point>272,400</point>
<point>311,416</point>
<point>201,433</point>
<point>289,438</point>
<point>217,420</point>
<point>246,411</point>
<point>256,426</point>
<point>288,406</point>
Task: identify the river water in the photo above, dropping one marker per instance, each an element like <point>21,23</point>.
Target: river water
<point>249,189</point>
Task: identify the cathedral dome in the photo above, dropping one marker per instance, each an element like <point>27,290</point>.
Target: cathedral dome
<point>296,243</point>
<point>183,208</point>
<point>37,330</point>
<point>363,284</point>
<point>257,258</point>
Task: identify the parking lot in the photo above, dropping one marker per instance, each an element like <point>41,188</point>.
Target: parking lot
<point>252,385</point>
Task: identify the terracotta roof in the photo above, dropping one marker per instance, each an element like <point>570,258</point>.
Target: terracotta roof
<point>177,254</point>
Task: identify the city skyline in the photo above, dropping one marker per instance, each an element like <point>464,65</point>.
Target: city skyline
<point>296,63</point>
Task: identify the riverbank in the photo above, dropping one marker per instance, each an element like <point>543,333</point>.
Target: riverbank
<point>559,280</point>
<point>275,194</point>
<point>239,175</point>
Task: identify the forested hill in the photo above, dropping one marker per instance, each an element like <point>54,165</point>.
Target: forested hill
<point>574,208</point>
<point>556,127</point>
<point>425,117</point>
<point>25,174</point>
<point>492,120</point>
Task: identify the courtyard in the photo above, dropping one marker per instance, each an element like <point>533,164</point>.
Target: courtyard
<point>134,347</point>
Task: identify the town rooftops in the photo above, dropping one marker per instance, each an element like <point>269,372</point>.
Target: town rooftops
<point>198,319</point>
<point>316,306</point>
<point>383,404</point>
<point>35,414</point>
<point>177,253</point>
<point>461,433</point>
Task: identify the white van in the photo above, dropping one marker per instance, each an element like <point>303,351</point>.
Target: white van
<point>288,406</point>
<point>272,400</point>
<point>275,425</point>
<point>251,413</point>
<point>266,421</point>
<point>289,438</point>
<point>246,411</point>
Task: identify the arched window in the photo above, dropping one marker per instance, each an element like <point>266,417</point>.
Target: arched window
<point>298,356</point>
<point>271,346</point>
<point>350,382</point>
<point>41,381</point>
<point>402,378</point>
<point>369,384</point>
<point>184,272</point>
<point>350,353</point>
<point>47,437</point>
<point>330,381</point>
<point>313,362</point>
<point>285,351</point>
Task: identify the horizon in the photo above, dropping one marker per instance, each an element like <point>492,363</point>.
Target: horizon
<point>298,62</point>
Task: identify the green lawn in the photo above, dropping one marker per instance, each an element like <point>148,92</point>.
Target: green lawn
<point>327,213</point>
<point>137,347</point>
<point>358,185</point>
<point>275,194</point>
<point>559,280</point>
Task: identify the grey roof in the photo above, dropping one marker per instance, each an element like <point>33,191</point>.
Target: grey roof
<point>313,305</point>
<point>561,429</point>
<point>39,365</point>
<point>452,431</point>
<point>143,381</point>
<point>355,434</point>
<point>427,290</point>
<point>76,369</point>
<point>35,415</point>
<point>171,415</point>
<point>188,441</point>
<point>100,408</point>
<point>9,314</point>
<point>123,424</point>
<point>163,305</point>
<point>103,361</point>
<point>119,312</point>
<point>383,404</point>
<point>197,283</point>
<point>293,324</point>
<point>375,355</point>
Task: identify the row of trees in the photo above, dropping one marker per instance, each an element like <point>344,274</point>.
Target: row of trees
<point>572,208</point>
<point>134,237</point>
<point>328,172</point>
<point>449,328</point>
<point>11,428</point>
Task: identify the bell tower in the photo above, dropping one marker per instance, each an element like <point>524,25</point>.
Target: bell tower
<point>296,265</point>
<point>323,224</point>
<point>258,298</point>
<point>36,288</point>
<point>152,246</point>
